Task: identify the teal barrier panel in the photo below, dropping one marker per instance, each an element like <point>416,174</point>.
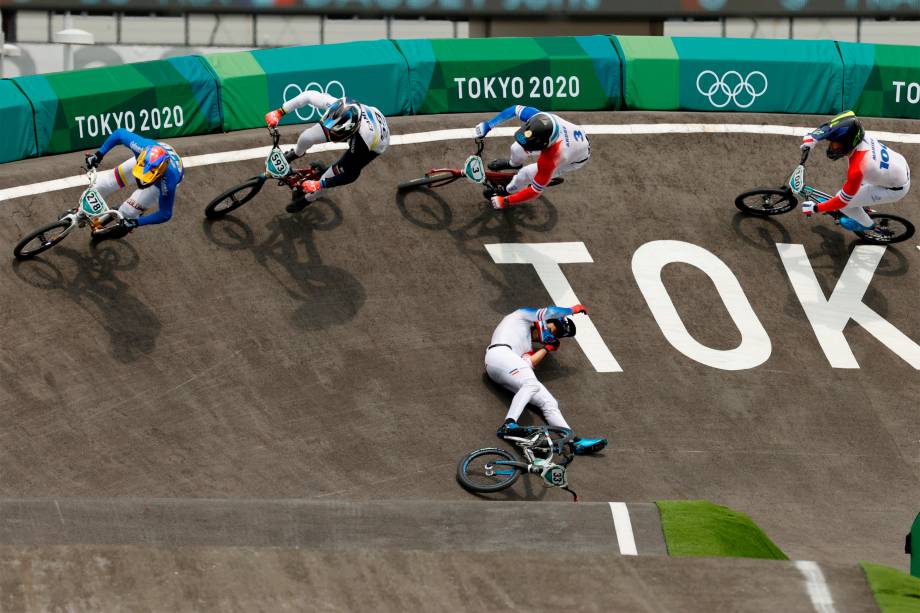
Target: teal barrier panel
<point>551,73</point>
<point>767,76</point>
<point>17,139</point>
<point>160,99</point>
<point>881,80</point>
<point>254,82</point>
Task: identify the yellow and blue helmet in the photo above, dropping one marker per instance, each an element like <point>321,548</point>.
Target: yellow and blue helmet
<point>151,164</point>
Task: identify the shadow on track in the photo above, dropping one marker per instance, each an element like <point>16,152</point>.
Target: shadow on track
<point>289,255</point>
<point>90,283</point>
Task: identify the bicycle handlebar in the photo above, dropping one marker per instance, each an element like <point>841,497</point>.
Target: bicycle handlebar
<point>276,136</point>
<point>805,153</point>
<point>480,144</point>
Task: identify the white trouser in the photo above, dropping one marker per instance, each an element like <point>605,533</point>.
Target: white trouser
<point>526,174</point>
<point>111,181</point>
<point>870,195</point>
<point>515,373</point>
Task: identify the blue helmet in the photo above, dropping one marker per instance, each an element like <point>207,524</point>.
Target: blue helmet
<point>565,328</point>
<point>342,120</point>
<point>845,132</point>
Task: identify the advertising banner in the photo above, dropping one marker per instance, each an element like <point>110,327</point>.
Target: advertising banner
<point>551,73</point>
<point>758,75</point>
<point>882,80</point>
<point>255,82</point>
<point>17,138</point>
<point>79,109</point>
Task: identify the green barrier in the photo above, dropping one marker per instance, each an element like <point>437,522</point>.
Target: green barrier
<point>160,99</point>
<point>552,73</point>
<point>651,72</point>
<point>729,74</point>
<point>17,139</point>
<point>255,82</point>
<point>882,80</point>
<point>768,76</point>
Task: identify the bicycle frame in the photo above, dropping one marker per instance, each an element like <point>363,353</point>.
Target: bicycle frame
<point>551,473</point>
<point>92,208</point>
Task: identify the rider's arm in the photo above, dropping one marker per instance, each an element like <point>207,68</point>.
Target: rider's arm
<point>317,99</point>
<point>546,166</point>
<point>551,312</point>
<point>521,112</point>
<point>845,195</point>
<point>535,357</point>
<point>165,209</point>
<point>130,140</point>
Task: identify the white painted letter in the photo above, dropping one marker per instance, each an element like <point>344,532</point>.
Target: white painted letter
<point>459,81</point>
<point>830,317</point>
<point>647,264</point>
<point>897,89</point>
<point>546,258</point>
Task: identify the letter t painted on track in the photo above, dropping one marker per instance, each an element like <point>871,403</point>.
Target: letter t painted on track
<point>546,258</point>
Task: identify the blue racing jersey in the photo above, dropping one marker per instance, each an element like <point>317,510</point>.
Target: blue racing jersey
<point>166,185</point>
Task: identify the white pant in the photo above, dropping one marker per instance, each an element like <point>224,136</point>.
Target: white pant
<point>526,174</point>
<point>870,195</point>
<point>515,373</point>
<point>110,181</point>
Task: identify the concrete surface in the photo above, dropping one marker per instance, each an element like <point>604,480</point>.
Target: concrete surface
<point>337,354</point>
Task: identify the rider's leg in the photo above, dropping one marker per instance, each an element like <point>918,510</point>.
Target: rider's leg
<point>522,179</point>
<point>140,201</point>
<point>110,181</point>
<point>518,155</point>
<point>548,404</point>
<point>516,375</point>
<point>870,195</point>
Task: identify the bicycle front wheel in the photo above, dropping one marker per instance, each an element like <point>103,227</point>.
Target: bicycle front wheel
<point>42,239</point>
<point>436,179</point>
<point>488,470</point>
<point>234,198</point>
<point>888,229</point>
<point>764,202</point>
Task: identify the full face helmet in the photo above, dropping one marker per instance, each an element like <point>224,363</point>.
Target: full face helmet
<point>565,328</point>
<point>843,133</point>
<point>537,133</point>
<point>342,120</point>
<point>151,165</point>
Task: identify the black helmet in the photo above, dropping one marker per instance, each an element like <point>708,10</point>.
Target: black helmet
<point>342,119</point>
<point>565,327</point>
<point>844,129</point>
<point>536,133</point>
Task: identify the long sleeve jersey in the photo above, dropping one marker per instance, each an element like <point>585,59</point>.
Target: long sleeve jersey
<point>374,130</point>
<point>568,145</point>
<point>514,329</point>
<point>166,185</point>
<point>873,163</point>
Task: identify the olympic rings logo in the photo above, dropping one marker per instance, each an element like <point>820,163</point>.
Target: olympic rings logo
<point>333,88</point>
<point>731,87</point>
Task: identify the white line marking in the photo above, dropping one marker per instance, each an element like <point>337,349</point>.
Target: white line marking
<point>464,133</point>
<point>623,526</point>
<point>818,590</point>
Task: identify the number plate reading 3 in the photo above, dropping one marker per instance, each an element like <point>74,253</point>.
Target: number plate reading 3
<point>92,203</point>
<point>474,170</point>
<point>277,165</point>
<point>555,476</point>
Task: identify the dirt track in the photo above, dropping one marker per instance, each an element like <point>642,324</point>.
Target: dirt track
<point>338,353</point>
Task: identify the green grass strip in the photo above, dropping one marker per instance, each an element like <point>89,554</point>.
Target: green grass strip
<point>702,529</point>
<point>894,591</point>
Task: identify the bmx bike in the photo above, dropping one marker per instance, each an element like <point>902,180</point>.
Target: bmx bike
<point>493,469</point>
<point>767,201</point>
<point>473,169</point>
<point>276,167</point>
<point>92,210</point>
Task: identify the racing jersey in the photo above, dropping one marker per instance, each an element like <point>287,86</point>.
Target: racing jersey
<point>166,185</point>
<point>873,163</point>
<point>514,329</point>
<point>374,130</point>
<point>568,145</point>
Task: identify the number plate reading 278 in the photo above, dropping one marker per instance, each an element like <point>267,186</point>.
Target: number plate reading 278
<point>92,203</point>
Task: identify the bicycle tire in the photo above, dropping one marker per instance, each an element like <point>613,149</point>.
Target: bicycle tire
<point>870,237</point>
<point>20,251</point>
<point>437,179</point>
<point>215,211</point>
<point>785,203</point>
<point>504,481</point>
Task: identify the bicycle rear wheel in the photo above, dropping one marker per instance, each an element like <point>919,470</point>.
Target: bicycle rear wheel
<point>41,239</point>
<point>487,470</point>
<point>234,198</point>
<point>766,201</point>
<point>436,179</point>
<point>888,229</point>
